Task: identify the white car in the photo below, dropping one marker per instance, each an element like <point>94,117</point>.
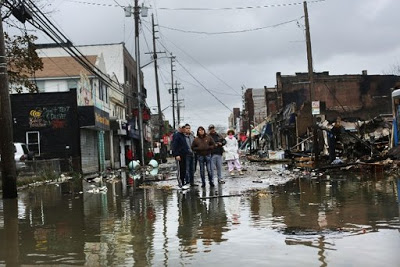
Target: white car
<point>21,154</point>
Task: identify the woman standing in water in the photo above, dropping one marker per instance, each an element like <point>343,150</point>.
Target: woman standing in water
<point>202,145</point>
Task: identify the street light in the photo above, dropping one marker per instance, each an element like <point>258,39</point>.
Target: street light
<point>151,61</point>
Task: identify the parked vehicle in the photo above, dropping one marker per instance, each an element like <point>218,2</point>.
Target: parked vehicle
<point>21,154</point>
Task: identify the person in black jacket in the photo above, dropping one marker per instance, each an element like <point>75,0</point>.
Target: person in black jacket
<point>216,153</point>
<point>179,150</point>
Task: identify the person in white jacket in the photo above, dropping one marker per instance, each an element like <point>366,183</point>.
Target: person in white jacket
<point>232,153</point>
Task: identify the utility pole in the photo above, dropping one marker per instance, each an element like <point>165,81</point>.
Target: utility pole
<point>311,78</point>
<point>173,91</point>
<point>138,81</point>
<point>8,168</point>
<point>160,117</point>
<point>178,106</point>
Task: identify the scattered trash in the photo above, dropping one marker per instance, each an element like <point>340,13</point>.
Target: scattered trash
<point>337,161</point>
<point>97,190</point>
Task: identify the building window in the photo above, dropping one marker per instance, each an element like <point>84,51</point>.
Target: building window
<point>101,91</point>
<point>40,86</point>
<point>126,74</point>
<point>33,142</point>
<point>72,84</point>
<point>106,93</point>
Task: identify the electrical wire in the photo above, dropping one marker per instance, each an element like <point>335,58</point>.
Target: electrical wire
<point>196,61</point>
<point>118,3</point>
<point>94,4</point>
<point>236,8</point>
<point>69,48</point>
<point>202,85</point>
<point>196,85</point>
<point>203,8</point>
<point>194,78</point>
<point>232,32</point>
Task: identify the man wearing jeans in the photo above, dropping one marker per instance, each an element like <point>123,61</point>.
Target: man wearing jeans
<point>216,153</point>
<point>179,150</point>
<point>190,156</point>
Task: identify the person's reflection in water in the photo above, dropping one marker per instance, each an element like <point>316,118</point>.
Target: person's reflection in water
<point>189,208</point>
<point>213,218</point>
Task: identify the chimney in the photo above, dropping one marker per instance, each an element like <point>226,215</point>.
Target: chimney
<point>364,72</point>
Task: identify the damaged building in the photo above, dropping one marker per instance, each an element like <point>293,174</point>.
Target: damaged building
<point>359,104</point>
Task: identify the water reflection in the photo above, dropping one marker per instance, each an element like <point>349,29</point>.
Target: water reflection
<point>357,203</point>
<point>127,225</point>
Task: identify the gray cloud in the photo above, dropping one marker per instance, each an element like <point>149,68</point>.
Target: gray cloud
<point>347,37</point>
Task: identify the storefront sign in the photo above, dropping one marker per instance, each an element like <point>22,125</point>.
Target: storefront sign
<point>93,117</point>
<point>315,108</point>
<point>145,113</point>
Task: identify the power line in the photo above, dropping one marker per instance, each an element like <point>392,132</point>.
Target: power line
<point>196,61</point>
<point>231,32</point>
<point>202,86</point>
<point>118,3</point>
<point>205,88</point>
<point>77,54</point>
<point>94,4</point>
<point>42,23</point>
<point>202,8</point>
<point>214,91</point>
<point>235,8</point>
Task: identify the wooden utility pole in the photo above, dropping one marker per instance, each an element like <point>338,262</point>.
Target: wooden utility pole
<point>173,91</point>
<point>160,117</point>
<point>139,82</point>
<point>178,109</point>
<point>177,103</point>
<point>309,52</point>
<point>311,79</point>
<point>8,169</point>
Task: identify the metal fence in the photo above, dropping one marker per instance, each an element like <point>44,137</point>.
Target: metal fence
<point>46,167</point>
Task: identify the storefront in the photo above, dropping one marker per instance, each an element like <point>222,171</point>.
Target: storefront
<point>94,123</point>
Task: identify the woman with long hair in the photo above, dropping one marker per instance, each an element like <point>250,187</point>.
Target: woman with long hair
<point>202,145</point>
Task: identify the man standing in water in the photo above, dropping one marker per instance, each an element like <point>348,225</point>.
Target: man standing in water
<point>216,153</point>
<point>180,150</point>
<point>190,156</point>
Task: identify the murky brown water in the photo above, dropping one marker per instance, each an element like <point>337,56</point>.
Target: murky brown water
<point>343,221</point>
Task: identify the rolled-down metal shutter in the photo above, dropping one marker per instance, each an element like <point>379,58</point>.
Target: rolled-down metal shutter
<point>89,151</point>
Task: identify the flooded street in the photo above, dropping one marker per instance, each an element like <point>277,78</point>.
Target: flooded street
<point>341,220</point>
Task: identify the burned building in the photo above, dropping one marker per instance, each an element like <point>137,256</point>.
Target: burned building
<point>354,97</point>
<point>359,96</point>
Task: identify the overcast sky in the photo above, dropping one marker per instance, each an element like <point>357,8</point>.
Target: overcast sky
<point>348,36</point>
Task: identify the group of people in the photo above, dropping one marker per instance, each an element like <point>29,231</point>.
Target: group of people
<point>207,150</point>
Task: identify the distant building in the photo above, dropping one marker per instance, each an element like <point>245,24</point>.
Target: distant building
<point>355,96</point>
<point>234,120</point>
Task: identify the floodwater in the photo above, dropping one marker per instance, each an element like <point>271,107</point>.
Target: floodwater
<point>342,220</point>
